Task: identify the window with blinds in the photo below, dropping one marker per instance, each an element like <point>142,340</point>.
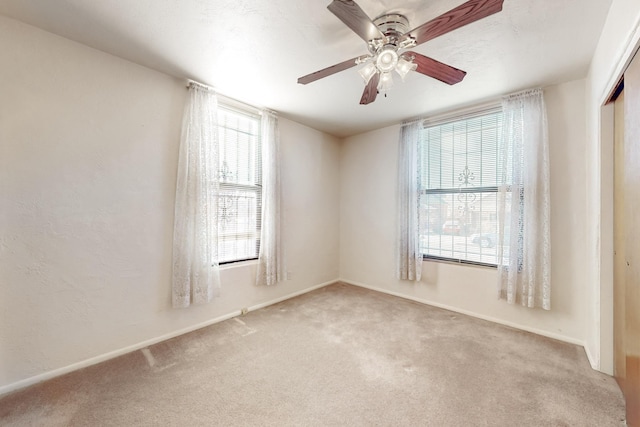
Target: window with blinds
<point>239,202</point>
<point>459,181</point>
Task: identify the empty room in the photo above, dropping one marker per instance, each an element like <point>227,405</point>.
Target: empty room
<point>327,213</point>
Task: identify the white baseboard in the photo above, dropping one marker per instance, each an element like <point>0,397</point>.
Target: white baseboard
<point>113,354</point>
<point>593,361</point>
<point>544,333</point>
<point>292,295</point>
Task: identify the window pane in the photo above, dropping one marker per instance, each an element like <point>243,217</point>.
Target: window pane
<point>239,147</point>
<point>460,226</point>
<point>449,149</point>
<point>238,235</point>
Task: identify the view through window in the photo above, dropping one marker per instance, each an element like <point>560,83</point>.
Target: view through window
<point>239,202</point>
<point>459,178</point>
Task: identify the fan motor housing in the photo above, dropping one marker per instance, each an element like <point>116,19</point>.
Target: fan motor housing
<point>392,25</point>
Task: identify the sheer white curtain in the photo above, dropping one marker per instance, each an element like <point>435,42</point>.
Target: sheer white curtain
<point>196,276</point>
<point>409,257</point>
<point>523,202</point>
<point>270,258</point>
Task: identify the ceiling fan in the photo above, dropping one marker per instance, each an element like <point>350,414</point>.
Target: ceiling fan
<point>388,39</point>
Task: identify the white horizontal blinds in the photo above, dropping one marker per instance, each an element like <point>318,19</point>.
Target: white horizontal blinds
<point>239,204</point>
<point>460,182</point>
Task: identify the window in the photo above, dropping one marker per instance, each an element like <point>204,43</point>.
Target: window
<point>459,181</point>
<point>239,203</point>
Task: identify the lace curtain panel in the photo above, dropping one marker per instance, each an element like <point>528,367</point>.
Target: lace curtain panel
<point>409,257</point>
<point>196,275</point>
<point>523,202</point>
<point>270,257</point>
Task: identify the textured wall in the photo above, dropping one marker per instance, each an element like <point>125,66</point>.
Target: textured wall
<point>367,228</point>
<point>88,155</point>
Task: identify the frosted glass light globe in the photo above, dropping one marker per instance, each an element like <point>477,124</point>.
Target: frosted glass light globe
<point>387,60</point>
<point>367,72</point>
<point>404,67</point>
<point>385,83</point>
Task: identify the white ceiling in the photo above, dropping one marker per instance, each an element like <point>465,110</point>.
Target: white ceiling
<point>254,50</point>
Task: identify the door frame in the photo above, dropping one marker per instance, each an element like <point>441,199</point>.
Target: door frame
<point>604,120</point>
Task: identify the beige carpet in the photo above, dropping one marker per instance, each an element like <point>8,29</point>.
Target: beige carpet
<point>338,356</point>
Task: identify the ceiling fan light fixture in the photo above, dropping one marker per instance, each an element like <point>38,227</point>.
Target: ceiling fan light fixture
<point>387,38</point>
<point>367,72</point>
<point>387,60</point>
<point>403,67</point>
<point>386,82</point>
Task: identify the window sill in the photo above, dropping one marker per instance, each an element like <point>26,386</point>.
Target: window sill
<point>461,263</point>
<point>237,264</point>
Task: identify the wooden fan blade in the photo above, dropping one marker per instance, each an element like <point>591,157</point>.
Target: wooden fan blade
<point>436,69</point>
<point>462,15</point>
<point>329,70</point>
<point>371,90</point>
<point>353,17</point>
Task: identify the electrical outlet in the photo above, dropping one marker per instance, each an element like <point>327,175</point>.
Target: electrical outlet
<point>288,275</point>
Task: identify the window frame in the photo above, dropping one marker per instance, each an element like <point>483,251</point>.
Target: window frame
<point>458,116</point>
<point>245,110</point>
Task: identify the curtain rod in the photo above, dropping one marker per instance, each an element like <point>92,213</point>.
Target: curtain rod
<point>523,93</point>
<point>193,83</point>
<point>460,113</point>
<point>470,111</point>
<point>463,114</point>
<point>234,102</point>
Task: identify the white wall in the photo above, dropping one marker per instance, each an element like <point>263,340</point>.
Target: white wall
<point>618,41</point>
<point>367,228</point>
<point>88,155</point>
